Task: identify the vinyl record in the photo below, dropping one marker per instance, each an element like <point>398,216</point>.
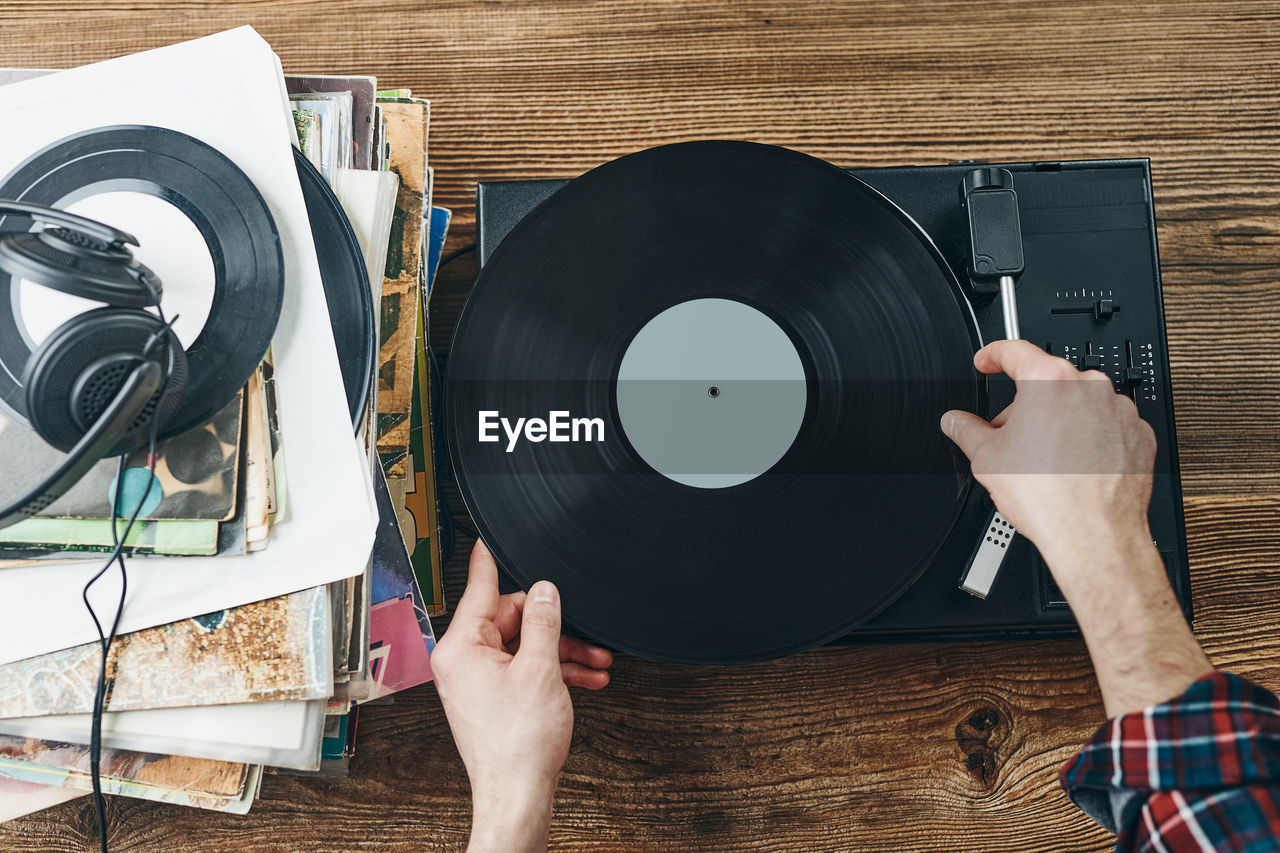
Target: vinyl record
<point>217,197</point>
<point>767,344</point>
<point>346,285</point>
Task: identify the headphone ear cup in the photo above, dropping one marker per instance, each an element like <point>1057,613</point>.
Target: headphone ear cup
<point>78,370</point>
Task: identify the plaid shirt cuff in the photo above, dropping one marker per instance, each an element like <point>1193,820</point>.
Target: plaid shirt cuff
<point>1204,766</point>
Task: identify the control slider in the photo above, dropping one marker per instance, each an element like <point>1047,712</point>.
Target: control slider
<point>1102,308</point>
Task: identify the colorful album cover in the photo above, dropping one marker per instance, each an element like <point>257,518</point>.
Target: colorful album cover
<point>56,536</point>
<point>439,229</point>
<point>335,737</point>
<point>398,656</point>
<point>340,736</point>
<point>196,472</point>
<point>400,634</point>
<point>307,123</point>
<point>421,503</point>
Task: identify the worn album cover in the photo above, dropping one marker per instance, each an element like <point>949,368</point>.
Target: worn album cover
<point>277,495</point>
<point>407,141</point>
<point>271,650</point>
<point>333,128</point>
<point>362,91</point>
<point>195,782</point>
<point>48,761</point>
<point>258,468</point>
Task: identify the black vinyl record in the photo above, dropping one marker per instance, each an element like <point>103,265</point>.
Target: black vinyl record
<point>242,238</point>
<point>346,285</point>
<point>217,197</point>
<point>751,288</point>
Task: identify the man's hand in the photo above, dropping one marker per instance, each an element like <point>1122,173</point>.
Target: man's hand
<point>1069,464</point>
<point>1062,423</point>
<point>502,670</point>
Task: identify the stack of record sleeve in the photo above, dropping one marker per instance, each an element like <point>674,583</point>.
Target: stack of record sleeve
<point>259,616</point>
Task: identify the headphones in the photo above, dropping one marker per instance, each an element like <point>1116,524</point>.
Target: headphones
<point>107,379</point>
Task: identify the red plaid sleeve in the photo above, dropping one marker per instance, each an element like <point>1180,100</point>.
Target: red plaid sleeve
<point>1199,772</point>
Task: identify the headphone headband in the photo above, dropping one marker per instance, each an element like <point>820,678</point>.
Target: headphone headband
<point>114,237</point>
<point>79,256</point>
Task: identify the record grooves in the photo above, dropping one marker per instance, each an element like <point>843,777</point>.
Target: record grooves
<point>741,248</point>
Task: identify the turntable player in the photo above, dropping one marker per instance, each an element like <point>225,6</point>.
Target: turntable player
<point>837,312</point>
<point>1189,759</point>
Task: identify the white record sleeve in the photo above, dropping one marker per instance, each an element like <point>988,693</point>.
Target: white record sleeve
<point>278,734</point>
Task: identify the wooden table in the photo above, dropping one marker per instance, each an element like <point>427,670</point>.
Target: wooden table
<point>942,747</point>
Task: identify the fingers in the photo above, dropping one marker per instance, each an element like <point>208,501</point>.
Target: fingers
<point>1019,360</point>
<point>540,626</point>
<point>507,620</point>
<point>967,430</point>
<point>584,665</point>
<point>580,651</point>
<point>576,650</point>
<point>523,622</point>
<point>577,675</point>
<point>481,599</point>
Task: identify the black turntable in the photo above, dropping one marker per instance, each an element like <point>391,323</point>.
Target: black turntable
<point>734,254</point>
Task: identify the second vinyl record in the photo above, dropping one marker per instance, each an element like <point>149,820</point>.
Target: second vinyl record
<point>346,285</point>
<point>699,388</point>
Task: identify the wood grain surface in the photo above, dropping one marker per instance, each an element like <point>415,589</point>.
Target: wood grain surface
<point>917,747</point>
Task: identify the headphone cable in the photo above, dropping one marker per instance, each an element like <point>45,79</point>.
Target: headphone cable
<point>118,540</point>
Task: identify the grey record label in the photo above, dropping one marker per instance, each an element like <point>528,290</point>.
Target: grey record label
<point>711,393</point>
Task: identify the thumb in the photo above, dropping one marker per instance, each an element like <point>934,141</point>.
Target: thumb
<point>967,430</point>
<point>540,624</point>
